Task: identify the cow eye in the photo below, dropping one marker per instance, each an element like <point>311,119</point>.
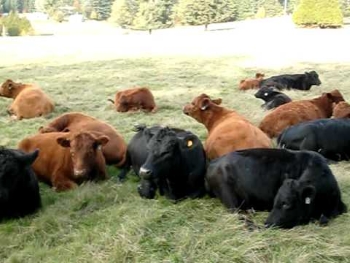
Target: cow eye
<point>285,206</point>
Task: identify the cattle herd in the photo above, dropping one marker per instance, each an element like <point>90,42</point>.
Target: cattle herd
<point>237,163</point>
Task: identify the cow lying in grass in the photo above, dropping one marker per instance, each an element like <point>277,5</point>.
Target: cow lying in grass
<point>299,111</point>
<point>29,101</point>
<point>67,159</point>
<point>19,189</point>
<point>168,159</point>
<point>273,98</point>
<point>296,186</point>
<point>246,84</point>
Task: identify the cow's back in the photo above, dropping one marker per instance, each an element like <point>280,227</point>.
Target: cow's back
<point>32,102</point>
<point>289,114</point>
<point>234,133</point>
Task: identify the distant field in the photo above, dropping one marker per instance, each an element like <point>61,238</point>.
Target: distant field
<point>109,222</point>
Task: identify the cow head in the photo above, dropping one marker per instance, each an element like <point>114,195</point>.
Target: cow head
<point>259,76</point>
<point>201,107</point>
<point>313,78</point>
<point>266,93</point>
<point>13,165</point>
<point>85,151</point>
<point>335,96</point>
<point>292,205</point>
<point>122,104</point>
<point>8,89</point>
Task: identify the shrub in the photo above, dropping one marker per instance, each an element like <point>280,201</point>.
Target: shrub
<point>322,13</point>
<point>261,13</point>
<point>124,12</point>
<point>58,16</point>
<point>17,26</point>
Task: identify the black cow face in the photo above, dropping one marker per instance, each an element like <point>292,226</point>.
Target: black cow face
<point>313,78</point>
<point>12,165</point>
<point>162,149</point>
<point>292,205</point>
<point>266,93</point>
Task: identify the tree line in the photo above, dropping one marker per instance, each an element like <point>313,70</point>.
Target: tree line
<point>152,14</point>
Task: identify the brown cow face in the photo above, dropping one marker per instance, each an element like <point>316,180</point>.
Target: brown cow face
<point>85,150</point>
<point>335,96</point>
<point>200,107</point>
<point>7,88</point>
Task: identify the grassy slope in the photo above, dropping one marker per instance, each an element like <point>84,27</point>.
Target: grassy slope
<point>108,222</point>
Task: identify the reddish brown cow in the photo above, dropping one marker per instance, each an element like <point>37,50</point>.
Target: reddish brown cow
<point>227,130</point>
<point>134,99</point>
<point>299,111</point>
<point>246,84</point>
<point>67,159</point>
<point>114,151</point>
<point>29,101</point>
<point>341,110</point>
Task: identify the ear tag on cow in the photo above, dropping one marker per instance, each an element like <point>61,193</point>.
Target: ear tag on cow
<point>99,147</point>
<point>189,143</point>
<point>307,200</point>
<point>265,94</point>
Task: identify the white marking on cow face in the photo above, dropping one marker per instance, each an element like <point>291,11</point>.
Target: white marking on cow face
<point>266,94</point>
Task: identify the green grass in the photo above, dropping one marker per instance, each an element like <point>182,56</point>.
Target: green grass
<point>109,222</point>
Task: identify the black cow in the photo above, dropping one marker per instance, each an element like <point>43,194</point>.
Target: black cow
<point>272,97</point>
<point>251,179</point>
<point>169,159</point>
<point>19,189</point>
<point>293,81</point>
<point>329,137</point>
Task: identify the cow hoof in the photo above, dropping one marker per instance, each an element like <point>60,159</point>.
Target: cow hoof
<point>323,220</point>
<point>14,118</point>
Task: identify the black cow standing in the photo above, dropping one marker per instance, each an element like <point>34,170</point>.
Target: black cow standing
<point>293,81</point>
<point>169,159</point>
<point>329,137</point>
<point>305,186</point>
<point>19,189</point>
<point>272,97</point>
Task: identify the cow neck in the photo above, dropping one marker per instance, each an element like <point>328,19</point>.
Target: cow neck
<point>218,115</point>
<point>323,105</point>
<point>18,89</point>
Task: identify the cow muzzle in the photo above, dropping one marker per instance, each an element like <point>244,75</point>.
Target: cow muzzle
<point>145,173</point>
<point>79,172</point>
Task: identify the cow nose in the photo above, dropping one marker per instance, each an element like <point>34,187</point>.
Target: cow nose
<point>79,172</point>
<point>145,173</point>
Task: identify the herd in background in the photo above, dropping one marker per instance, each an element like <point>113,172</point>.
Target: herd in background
<point>236,164</point>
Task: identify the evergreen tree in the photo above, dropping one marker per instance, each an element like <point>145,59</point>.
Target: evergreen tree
<point>124,12</point>
<point>323,13</point>
<point>272,8</point>
<point>102,8</point>
<point>306,13</point>
<point>246,9</point>
<point>329,13</point>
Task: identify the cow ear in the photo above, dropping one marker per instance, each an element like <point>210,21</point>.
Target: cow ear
<point>63,141</point>
<point>217,101</point>
<point>29,158</point>
<point>102,140</point>
<point>308,194</point>
<point>205,104</point>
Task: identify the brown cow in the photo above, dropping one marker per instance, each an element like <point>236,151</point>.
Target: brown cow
<point>299,111</point>
<point>114,151</point>
<point>67,159</point>
<point>341,110</point>
<point>134,99</point>
<point>227,130</point>
<point>29,101</point>
<point>246,84</point>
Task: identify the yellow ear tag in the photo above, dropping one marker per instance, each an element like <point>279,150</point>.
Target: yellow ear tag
<point>189,143</point>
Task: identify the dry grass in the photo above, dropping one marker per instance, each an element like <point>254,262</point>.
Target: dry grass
<point>109,222</point>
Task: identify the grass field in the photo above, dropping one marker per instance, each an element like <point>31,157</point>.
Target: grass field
<point>109,222</point>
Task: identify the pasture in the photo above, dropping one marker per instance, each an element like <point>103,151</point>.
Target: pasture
<point>108,221</point>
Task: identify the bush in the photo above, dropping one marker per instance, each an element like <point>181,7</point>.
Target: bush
<point>17,26</point>
<point>58,16</point>
<point>261,13</point>
<point>124,12</point>
<point>322,13</point>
